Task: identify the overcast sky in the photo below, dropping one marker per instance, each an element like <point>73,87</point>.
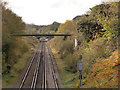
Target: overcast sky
<point>44,12</point>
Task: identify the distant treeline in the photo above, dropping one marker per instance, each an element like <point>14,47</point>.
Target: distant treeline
<point>52,28</point>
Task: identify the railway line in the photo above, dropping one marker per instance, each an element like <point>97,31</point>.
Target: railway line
<point>40,72</point>
<point>53,70</point>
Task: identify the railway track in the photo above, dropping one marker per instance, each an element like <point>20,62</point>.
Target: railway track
<point>35,76</point>
<point>27,80</point>
<point>53,70</point>
<point>45,80</point>
<point>40,69</point>
<point>28,69</point>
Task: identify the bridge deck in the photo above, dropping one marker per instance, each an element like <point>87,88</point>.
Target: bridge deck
<point>41,34</point>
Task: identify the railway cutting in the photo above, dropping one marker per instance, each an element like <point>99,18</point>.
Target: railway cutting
<point>41,72</point>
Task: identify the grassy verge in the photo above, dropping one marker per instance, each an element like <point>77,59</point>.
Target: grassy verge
<point>10,78</point>
<point>68,78</point>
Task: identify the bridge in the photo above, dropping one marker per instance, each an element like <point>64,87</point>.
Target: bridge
<point>41,35</point>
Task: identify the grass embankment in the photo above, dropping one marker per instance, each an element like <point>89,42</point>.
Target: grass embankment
<point>68,78</point>
<point>103,72</point>
<point>10,78</point>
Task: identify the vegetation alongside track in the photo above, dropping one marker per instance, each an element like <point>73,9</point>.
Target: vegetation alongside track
<point>97,33</point>
<point>15,51</point>
<point>9,79</point>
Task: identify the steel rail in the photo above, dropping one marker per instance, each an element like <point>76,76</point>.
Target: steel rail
<point>45,80</point>
<point>53,59</point>
<point>34,80</point>
<point>53,70</point>
<point>28,69</point>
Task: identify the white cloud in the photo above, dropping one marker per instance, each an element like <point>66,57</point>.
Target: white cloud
<point>47,11</point>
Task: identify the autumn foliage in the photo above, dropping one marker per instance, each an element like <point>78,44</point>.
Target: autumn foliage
<point>104,73</point>
<point>97,36</point>
<point>12,47</point>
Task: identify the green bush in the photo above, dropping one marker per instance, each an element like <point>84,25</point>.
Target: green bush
<point>71,63</point>
<point>97,48</point>
<point>66,48</point>
<point>91,51</point>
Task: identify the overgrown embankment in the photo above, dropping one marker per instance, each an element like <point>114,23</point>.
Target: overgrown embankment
<point>15,50</point>
<point>104,73</point>
<point>97,33</point>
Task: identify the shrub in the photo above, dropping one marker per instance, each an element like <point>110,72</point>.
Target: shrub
<point>71,63</point>
<point>66,48</point>
<point>97,48</point>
